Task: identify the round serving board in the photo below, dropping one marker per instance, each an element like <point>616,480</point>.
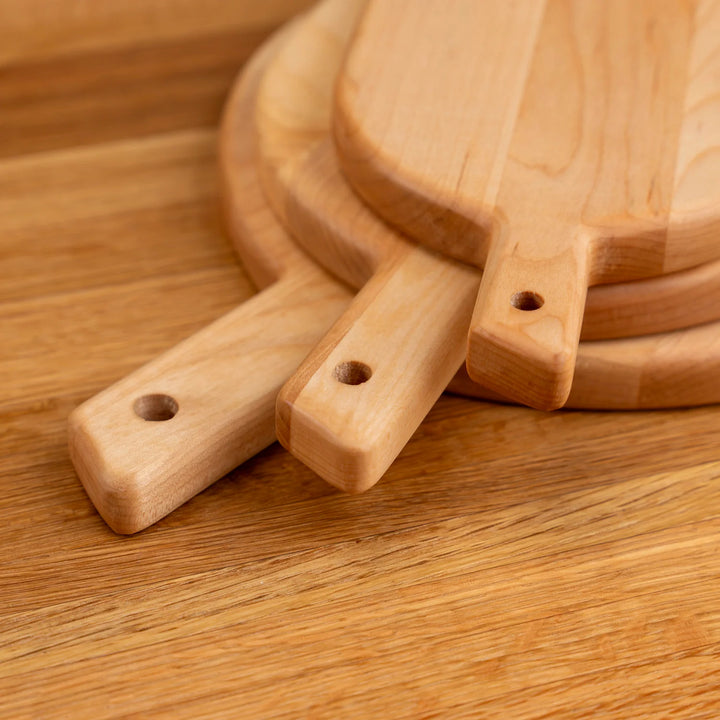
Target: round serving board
<point>395,342</point>
<point>404,333</point>
<point>558,143</point>
<point>159,436</point>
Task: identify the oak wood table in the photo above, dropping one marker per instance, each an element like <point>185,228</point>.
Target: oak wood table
<point>511,563</point>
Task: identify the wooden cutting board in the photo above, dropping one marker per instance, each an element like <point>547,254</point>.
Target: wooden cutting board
<point>511,562</point>
<point>561,144</point>
<point>352,241</point>
<point>156,438</point>
<point>394,337</point>
<point>153,440</point>
<point>222,382</point>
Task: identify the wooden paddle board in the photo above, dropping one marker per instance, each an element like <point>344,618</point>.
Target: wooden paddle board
<point>164,433</point>
<point>393,340</point>
<point>559,143</point>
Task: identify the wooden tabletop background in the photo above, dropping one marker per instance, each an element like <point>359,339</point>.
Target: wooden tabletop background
<point>511,564</point>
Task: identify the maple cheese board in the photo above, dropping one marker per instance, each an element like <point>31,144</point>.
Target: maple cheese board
<point>585,153</point>
<point>293,124</point>
<point>156,438</point>
<point>405,332</point>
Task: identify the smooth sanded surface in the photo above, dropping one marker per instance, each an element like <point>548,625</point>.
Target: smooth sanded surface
<point>304,186</point>
<point>586,153</point>
<point>512,563</point>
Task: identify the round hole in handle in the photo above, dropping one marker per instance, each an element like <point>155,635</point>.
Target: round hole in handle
<point>156,407</point>
<point>527,300</point>
<point>352,372</point>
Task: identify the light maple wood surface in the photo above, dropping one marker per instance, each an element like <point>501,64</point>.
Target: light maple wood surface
<point>360,395</point>
<point>300,174</point>
<point>219,386</point>
<point>585,153</point>
<point>512,564</point>
<point>363,391</point>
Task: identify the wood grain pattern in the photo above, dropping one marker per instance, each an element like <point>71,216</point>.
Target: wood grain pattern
<point>218,387</point>
<point>176,85</point>
<point>570,179</point>
<point>360,394</point>
<point>300,173</point>
<point>50,29</point>
<point>367,385</point>
<point>162,434</point>
<point>512,563</point>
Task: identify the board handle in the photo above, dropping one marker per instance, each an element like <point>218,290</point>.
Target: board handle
<point>525,329</point>
<point>153,440</point>
<point>359,396</point>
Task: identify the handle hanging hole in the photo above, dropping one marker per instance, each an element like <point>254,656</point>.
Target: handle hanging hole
<point>156,407</point>
<point>527,300</point>
<point>352,372</point>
